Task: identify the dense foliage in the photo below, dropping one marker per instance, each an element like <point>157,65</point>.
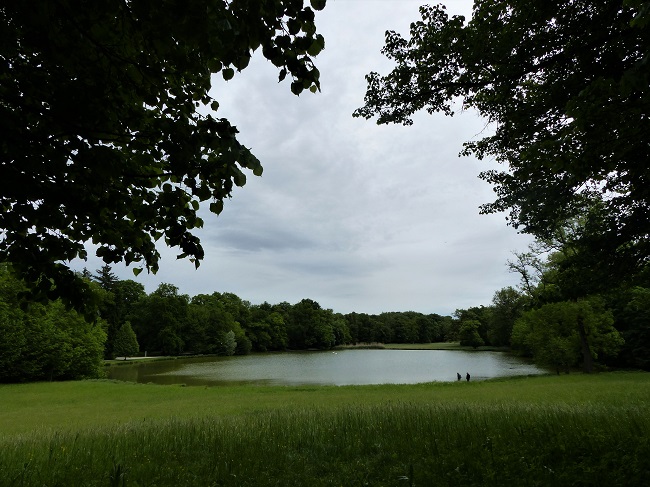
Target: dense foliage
<point>542,319</point>
<point>50,341</point>
<point>45,341</point>
<point>108,132</point>
<point>611,327</point>
<point>562,334</point>
<point>538,320</point>
<point>171,323</point>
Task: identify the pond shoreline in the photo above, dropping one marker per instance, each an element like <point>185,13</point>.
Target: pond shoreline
<point>344,366</point>
<point>453,346</point>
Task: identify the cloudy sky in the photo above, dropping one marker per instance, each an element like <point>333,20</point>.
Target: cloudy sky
<point>356,216</point>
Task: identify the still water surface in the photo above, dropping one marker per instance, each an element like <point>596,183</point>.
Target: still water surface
<point>344,367</point>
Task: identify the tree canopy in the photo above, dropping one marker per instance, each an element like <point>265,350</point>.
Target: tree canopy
<point>566,87</point>
<point>108,132</point>
<point>564,334</point>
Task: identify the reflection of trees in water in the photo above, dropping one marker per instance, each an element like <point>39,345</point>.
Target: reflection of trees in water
<point>343,368</point>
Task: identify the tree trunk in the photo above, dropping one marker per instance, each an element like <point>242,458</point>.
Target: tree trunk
<point>587,359</point>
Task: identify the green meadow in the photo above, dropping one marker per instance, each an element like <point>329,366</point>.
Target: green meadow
<point>551,430</point>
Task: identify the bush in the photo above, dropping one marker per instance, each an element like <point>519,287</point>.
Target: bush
<point>45,341</point>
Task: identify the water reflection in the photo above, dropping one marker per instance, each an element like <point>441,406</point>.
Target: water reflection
<point>345,367</point>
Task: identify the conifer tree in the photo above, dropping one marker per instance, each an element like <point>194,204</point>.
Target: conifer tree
<point>125,342</point>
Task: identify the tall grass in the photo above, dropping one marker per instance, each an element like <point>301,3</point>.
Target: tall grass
<point>415,440</point>
<point>393,444</point>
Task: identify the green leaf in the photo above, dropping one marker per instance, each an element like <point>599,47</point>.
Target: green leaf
<point>239,178</point>
<point>137,271</point>
<point>296,87</point>
<point>317,46</point>
<point>214,65</point>
<point>216,207</point>
<point>309,28</point>
<point>228,74</point>
<point>283,42</point>
<point>242,62</point>
<point>214,105</point>
<point>293,26</point>
<point>318,4</point>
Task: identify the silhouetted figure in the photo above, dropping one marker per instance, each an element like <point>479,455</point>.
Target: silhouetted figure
<point>467,377</point>
<point>458,375</point>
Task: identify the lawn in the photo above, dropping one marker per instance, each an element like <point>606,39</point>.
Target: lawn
<point>551,430</point>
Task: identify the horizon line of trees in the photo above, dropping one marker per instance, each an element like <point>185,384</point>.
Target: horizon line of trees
<point>168,322</point>
<point>45,340</point>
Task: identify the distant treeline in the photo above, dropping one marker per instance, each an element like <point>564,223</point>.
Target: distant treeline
<point>171,323</point>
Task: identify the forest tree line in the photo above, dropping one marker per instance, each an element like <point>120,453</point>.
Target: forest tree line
<point>557,316</point>
<point>170,323</point>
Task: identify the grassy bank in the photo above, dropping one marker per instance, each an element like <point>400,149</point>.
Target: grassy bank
<point>568,430</point>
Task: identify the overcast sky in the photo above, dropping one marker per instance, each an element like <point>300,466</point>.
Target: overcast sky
<point>355,216</point>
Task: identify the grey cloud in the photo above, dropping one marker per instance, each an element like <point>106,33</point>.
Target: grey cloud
<point>357,216</point>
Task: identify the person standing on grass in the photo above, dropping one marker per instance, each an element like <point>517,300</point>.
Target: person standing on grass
<point>458,375</point>
<point>467,377</point>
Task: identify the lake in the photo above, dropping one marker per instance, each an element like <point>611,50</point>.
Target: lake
<point>341,367</point>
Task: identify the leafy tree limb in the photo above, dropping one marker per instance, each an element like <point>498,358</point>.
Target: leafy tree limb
<point>109,133</point>
<point>565,85</point>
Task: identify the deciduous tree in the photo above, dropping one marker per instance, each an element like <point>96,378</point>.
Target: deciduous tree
<point>633,322</point>
<point>469,334</point>
<point>160,320</point>
<point>565,85</point>
<point>108,132</point>
<point>227,345</point>
<point>45,341</point>
<point>565,334</point>
<point>507,306</point>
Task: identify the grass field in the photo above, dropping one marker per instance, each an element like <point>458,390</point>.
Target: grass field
<point>551,430</point>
